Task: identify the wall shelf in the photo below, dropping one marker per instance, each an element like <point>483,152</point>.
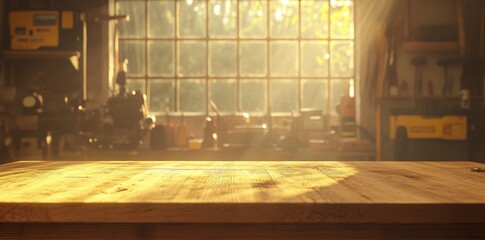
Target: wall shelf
<point>417,46</point>
<point>72,56</point>
<point>409,98</point>
<point>13,55</point>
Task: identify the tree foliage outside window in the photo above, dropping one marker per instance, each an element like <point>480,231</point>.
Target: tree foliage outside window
<point>245,55</point>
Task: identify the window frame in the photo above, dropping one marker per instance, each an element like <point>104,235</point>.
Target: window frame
<point>176,39</point>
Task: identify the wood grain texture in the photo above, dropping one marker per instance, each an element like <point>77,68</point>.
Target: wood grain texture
<point>242,192</point>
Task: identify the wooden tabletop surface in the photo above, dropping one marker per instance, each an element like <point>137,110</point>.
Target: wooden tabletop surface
<point>215,191</point>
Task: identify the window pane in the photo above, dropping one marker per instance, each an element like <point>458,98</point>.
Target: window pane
<point>253,58</point>
<point>342,58</point>
<point>223,58</point>
<point>339,88</point>
<point>160,58</point>
<point>341,19</point>
<point>284,19</point>
<point>315,57</point>
<point>253,18</point>
<point>136,26</point>
<point>253,95</point>
<point>192,18</point>
<point>192,95</point>
<point>314,19</point>
<point>135,85</point>
<point>223,18</point>
<point>284,95</point>
<point>161,18</point>
<point>162,97</point>
<point>224,94</point>
<point>284,58</point>
<point>134,51</point>
<point>192,58</point>
<point>314,94</point>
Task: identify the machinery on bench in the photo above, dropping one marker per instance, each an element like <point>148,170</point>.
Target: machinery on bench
<point>442,118</point>
<point>123,120</point>
<point>121,123</point>
<point>48,104</point>
<point>40,110</point>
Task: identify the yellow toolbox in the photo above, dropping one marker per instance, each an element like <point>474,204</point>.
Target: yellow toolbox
<point>31,30</point>
<point>448,127</point>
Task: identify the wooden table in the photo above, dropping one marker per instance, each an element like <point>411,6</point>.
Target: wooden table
<point>241,200</point>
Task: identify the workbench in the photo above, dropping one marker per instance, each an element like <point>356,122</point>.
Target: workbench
<point>241,200</point>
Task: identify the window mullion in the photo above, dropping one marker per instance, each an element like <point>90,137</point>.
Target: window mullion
<point>176,60</point>
<point>268,56</point>
<point>299,98</point>
<point>238,73</point>
<point>329,65</point>
<point>146,52</point>
<point>207,62</point>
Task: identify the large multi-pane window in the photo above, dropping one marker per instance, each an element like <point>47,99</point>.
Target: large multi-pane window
<point>245,55</point>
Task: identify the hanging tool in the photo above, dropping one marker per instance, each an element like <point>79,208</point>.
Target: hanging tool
<point>472,76</point>
<point>419,63</point>
<point>391,73</point>
<point>448,85</point>
<point>430,88</point>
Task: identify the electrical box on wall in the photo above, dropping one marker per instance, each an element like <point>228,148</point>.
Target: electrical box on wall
<point>33,30</point>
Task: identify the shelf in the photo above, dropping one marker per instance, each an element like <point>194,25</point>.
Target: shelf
<point>414,46</point>
<point>72,56</point>
<point>410,98</point>
<point>12,55</point>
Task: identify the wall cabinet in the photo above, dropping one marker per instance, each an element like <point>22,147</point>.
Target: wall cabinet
<point>433,26</point>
